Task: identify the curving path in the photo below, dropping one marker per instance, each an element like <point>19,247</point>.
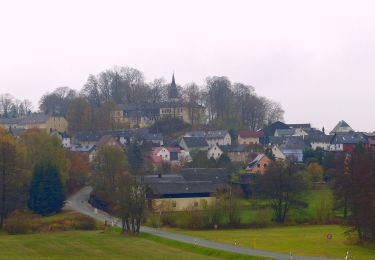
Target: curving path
<point>79,202</point>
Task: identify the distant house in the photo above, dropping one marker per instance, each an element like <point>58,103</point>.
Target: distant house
<point>172,154</point>
<point>42,121</point>
<point>220,137</point>
<point>88,150</point>
<point>270,130</point>
<point>191,189</point>
<point>64,137</point>
<point>293,149</point>
<point>194,144</point>
<point>259,165</point>
<point>341,127</point>
<point>290,132</point>
<point>320,141</point>
<point>347,141</point>
<point>277,153</point>
<point>249,137</point>
<point>236,153</point>
<point>370,139</point>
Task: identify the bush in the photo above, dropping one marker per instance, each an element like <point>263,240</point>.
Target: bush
<point>21,222</point>
<point>83,222</point>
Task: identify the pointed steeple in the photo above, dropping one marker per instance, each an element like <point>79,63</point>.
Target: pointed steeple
<point>173,81</point>
<point>173,91</point>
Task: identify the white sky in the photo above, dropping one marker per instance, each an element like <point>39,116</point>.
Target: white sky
<point>315,57</point>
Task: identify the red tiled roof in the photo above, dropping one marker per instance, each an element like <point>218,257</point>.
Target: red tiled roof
<point>250,134</point>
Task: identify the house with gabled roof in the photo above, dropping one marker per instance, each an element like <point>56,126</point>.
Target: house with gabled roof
<point>259,165</point>
<point>249,137</point>
<point>220,137</point>
<point>236,153</point>
<point>347,141</point>
<point>293,149</point>
<point>191,189</point>
<point>42,121</point>
<point>194,144</point>
<point>342,127</point>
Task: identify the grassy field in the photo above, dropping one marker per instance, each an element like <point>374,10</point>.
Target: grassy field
<point>97,245</point>
<point>320,208</point>
<point>302,240</point>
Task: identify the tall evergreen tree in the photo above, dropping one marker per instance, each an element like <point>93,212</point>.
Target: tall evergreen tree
<point>135,158</point>
<point>46,193</point>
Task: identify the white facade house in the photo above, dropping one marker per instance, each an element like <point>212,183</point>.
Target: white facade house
<point>279,155</point>
<point>214,152</point>
<point>220,137</point>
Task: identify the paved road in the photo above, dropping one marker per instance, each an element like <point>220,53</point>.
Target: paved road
<point>78,202</point>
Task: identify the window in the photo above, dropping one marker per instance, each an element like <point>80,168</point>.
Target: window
<point>265,165</point>
<point>174,204</point>
<point>195,203</point>
<point>258,165</point>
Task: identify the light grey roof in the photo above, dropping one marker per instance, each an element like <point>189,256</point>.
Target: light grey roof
<point>216,134</point>
<point>34,119</point>
<point>284,132</point>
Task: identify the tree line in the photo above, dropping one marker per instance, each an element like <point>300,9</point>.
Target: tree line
<point>227,104</point>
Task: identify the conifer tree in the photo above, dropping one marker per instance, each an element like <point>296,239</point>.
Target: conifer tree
<point>46,193</point>
<point>135,158</point>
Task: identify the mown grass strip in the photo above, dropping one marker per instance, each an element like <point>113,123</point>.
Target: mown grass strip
<point>198,249</point>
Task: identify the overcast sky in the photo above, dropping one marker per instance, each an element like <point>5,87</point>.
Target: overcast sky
<point>317,58</point>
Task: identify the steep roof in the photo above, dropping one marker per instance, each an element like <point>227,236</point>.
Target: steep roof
<point>270,129</point>
<point>195,141</point>
<point>342,127</point>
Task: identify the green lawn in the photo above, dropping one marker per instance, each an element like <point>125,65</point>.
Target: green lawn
<point>302,240</point>
<point>96,245</point>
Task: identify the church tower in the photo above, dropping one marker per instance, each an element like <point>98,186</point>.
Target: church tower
<point>173,91</point>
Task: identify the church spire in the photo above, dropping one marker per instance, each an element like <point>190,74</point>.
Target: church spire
<point>173,91</point>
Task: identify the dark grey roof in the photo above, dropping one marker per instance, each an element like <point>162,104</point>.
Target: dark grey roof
<point>152,137</point>
<point>195,134</point>
<point>195,141</point>
<point>302,126</point>
<point>276,140</point>
<point>215,175</point>
<point>233,148</point>
<point>218,134</point>
<point>294,144</point>
<point>191,187</point>
<point>189,181</point>
<point>349,138</point>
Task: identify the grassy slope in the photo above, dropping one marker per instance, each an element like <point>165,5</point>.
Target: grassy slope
<point>96,245</point>
<point>302,240</point>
